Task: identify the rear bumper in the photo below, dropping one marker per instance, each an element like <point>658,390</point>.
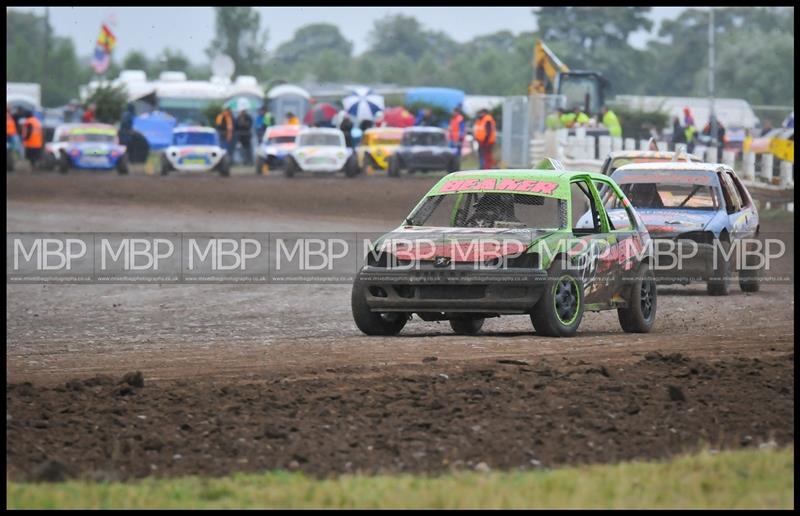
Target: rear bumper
<point>678,267</point>
<point>507,291</point>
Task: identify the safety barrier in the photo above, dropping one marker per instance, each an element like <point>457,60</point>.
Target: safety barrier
<point>584,152</point>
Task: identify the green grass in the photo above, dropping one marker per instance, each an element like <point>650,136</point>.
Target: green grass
<point>737,479</point>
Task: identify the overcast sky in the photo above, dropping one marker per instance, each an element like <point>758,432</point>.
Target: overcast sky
<point>190,29</point>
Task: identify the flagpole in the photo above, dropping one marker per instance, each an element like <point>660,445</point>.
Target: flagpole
<point>46,45</point>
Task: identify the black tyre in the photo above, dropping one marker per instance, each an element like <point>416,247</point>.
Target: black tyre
<point>560,309</point>
<point>122,165</point>
<point>291,167</point>
<point>374,323</point>
<point>467,326</point>
<point>454,165</point>
<point>394,167</point>
<point>351,168</point>
<point>166,166</point>
<point>748,277</point>
<point>9,161</point>
<point>260,162</point>
<point>224,166</point>
<point>718,283</point>
<point>640,315</point>
<point>48,162</point>
<point>63,164</point>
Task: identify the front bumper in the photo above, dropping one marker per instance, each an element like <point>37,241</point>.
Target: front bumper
<point>501,291</point>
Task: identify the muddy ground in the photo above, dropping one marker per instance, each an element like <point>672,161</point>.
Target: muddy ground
<point>253,377</point>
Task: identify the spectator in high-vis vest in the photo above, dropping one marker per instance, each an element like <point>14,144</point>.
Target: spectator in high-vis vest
<point>457,129</point>
<point>32,138</point>
<point>485,133</point>
<point>611,122</point>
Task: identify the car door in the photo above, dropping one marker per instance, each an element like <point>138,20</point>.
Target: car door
<point>733,206</point>
<point>590,248</point>
<point>624,235</point>
<point>748,214</point>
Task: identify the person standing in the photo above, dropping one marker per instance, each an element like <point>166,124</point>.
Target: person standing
<point>347,128</point>
<point>244,133</point>
<point>126,125</point>
<point>457,129</point>
<point>89,116</point>
<point>32,138</point>
<point>263,121</point>
<point>224,126</point>
<point>611,122</point>
<point>485,133</point>
<point>678,133</point>
<point>291,119</point>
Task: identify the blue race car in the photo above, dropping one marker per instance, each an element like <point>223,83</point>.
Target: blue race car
<point>700,204</point>
<point>86,146</point>
<point>195,149</point>
<point>277,144</point>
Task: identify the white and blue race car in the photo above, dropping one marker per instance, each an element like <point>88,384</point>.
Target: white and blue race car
<point>322,150</point>
<point>195,149</point>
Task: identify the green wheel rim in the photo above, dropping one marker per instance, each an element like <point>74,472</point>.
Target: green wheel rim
<point>566,299</point>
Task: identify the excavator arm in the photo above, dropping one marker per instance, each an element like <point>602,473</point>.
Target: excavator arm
<point>546,69</point>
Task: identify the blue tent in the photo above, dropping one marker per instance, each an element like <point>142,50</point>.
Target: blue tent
<point>156,127</point>
<point>445,98</point>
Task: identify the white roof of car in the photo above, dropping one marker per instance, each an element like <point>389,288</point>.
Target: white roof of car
<point>194,129</point>
<point>688,166</point>
<point>321,130</point>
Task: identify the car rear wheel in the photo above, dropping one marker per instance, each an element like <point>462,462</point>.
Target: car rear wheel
<point>394,167</point>
<point>560,309</point>
<point>374,323</point>
<point>63,164</point>
<point>748,276</point>
<point>166,166</point>
<point>718,282</point>
<point>224,166</point>
<point>291,167</point>
<point>640,314</point>
<point>351,168</point>
<point>453,165</point>
<point>260,164</point>
<point>122,165</point>
<point>467,326</point>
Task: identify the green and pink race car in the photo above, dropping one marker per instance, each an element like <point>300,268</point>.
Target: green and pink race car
<point>488,243</point>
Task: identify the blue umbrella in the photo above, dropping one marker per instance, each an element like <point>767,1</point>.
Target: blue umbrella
<point>363,103</point>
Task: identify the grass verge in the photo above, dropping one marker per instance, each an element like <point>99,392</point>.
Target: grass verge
<point>734,479</point>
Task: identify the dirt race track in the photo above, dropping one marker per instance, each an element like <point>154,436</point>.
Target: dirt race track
<point>254,377</point>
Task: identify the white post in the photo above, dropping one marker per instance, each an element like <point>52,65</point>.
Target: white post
<point>643,144</point>
<point>630,144</point>
<point>787,173</point>
<point>748,166</point>
<point>572,146</point>
<point>589,146</point>
<point>603,146</point>
<point>616,144</point>
<point>765,172</point>
<point>729,158</point>
<point>663,146</point>
<point>711,154</point>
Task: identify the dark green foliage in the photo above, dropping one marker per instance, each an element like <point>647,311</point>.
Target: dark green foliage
<point>110,102</point>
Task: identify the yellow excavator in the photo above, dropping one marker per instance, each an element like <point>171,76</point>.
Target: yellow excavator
<point>580,87</point>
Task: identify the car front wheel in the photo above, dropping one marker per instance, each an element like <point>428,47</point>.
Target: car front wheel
<point>560,309</point>
<point>640,314</point>
<point>374,323</point>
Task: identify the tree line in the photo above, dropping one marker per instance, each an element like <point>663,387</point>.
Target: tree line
<point>754,58</point>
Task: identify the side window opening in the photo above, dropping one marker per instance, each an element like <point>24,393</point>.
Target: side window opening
<point>583,204</point>
<point>743,197</point>
<point>619,215</point>
<point>731,204</point>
